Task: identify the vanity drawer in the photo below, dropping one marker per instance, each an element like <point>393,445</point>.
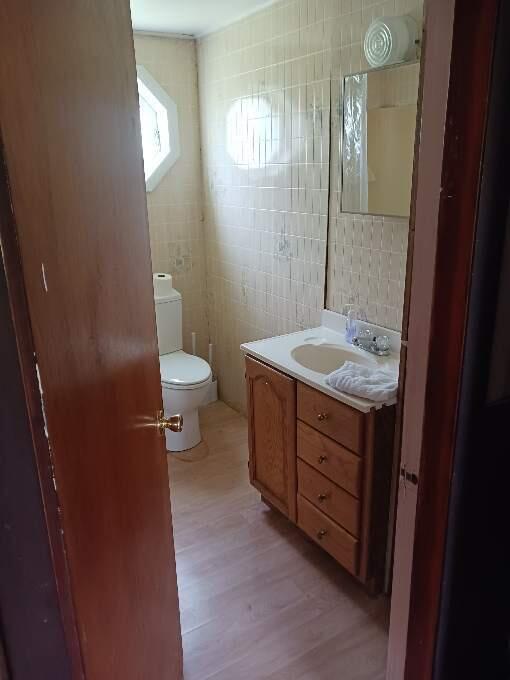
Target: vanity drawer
<point>335,540</point>
<point>329,498</point>
<point>335,419</point>
<point>329,458</point>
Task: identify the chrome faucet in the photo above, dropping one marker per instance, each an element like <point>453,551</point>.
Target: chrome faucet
<point>375,344</point>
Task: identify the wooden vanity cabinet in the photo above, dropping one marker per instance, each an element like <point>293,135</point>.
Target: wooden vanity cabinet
<point>272,435</point>
<point>325,465</point>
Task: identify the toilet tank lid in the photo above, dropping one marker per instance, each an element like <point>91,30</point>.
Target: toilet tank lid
<point>170,296</point>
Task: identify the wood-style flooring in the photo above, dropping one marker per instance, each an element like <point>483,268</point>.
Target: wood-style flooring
<point>259,600</point>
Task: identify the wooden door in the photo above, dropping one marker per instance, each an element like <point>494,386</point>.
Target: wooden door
<point>455,86</point>
<point>272,435</point>
<point>70,128</point>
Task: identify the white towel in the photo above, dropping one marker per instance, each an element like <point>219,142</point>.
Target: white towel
<point>376,384</point>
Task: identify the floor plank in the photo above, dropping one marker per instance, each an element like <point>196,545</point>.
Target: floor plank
<point>258,600</point>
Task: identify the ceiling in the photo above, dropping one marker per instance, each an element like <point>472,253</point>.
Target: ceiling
<point>190,17</point>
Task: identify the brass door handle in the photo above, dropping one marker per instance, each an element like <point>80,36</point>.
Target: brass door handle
<point>321,533</point>
<point>322,459</point>
<point>173,423</point>
<point>322,497</point>
<point>322,416</point>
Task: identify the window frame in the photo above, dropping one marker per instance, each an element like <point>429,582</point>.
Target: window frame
<point>156,92</point>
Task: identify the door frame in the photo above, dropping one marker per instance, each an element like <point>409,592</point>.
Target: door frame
<point>4,673</point>
<point>477,551</point>
<point>459,42</point>
<point>31,411</point>
<point>460,35</point>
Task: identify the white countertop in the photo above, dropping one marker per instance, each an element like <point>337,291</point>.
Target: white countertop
<point>277,352</point>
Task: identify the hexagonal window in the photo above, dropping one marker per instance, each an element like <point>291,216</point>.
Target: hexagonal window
<point>160,128</point>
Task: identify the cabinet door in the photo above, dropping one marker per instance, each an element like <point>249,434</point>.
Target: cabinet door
<point>272,435</point>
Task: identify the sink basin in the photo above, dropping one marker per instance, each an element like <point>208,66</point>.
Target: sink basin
<point>326,358</point>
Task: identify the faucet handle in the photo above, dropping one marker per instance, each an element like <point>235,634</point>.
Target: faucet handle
<point>365,334</point>
<point>382,343</point>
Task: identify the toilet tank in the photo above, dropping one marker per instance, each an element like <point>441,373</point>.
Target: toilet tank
<point>169,321</point>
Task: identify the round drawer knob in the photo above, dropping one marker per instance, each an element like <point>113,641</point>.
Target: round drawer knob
<point>322,416</point>
<point>321,497</point>
<point>321,533</point>
<point>322,459</point>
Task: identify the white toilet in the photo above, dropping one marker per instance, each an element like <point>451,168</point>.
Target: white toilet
<point>185,379</point>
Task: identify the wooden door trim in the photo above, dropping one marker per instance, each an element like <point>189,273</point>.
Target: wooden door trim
<point>26,352</point>
<point>434,80</point>
<point>4,673</point>
<point>441,284</point>
<point>470,80</point>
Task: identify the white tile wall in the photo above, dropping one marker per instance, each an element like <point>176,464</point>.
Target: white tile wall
<point>367,264</point>
<point>265,86</point>
<point>175,206</point>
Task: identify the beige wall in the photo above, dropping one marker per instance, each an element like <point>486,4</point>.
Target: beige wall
<point>175,206</point>
<point>264,100</point>
<point>265,86</point>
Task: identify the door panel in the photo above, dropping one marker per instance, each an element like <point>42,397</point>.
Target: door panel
<point>70,128</point>
<point>272,435</point>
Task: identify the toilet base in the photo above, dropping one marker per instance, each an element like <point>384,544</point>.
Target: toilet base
<point>186,403</point>
<point>190,435</point>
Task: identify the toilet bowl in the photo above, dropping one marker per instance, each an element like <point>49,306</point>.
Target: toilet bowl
<point>185,381</point>
<point>185,378</point>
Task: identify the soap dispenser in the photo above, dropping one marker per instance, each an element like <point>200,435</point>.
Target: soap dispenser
<point>355,315</point>
<point>351,327</point>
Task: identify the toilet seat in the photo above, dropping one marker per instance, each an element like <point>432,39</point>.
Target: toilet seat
<point>182,371</point>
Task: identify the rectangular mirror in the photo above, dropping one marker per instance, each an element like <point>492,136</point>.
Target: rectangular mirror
<point>379,122</point>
